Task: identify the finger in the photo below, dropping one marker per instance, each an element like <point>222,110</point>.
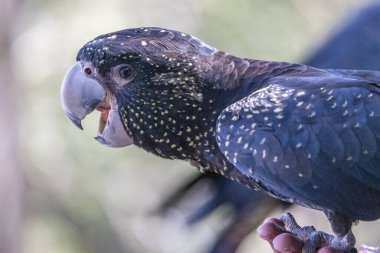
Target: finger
<point>287,242</point>
<point>275,221</point>
<point>269,230</point>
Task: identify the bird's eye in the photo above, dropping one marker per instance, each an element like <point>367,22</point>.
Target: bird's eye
<point>88,71</point>
<point>125,72</point>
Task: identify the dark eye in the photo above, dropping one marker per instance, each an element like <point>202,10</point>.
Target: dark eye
<point>125,72</point>
<point>88,71</point>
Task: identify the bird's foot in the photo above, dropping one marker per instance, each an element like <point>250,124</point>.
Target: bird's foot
<point>369,249</point>
<point>314,239</point>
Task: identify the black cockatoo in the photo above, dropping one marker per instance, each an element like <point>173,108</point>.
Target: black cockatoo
<point>304,135</point>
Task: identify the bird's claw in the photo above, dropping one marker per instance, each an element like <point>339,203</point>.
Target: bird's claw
<point>314,239</point>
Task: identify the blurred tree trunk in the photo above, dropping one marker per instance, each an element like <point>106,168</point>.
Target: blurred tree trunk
<point>11,176</point>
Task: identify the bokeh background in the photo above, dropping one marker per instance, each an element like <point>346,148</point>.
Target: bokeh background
<point>61,191</point>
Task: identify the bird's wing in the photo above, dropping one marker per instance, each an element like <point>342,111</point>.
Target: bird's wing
<point>310,137</point>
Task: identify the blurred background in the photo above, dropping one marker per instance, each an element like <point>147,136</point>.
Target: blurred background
<point>62,192</point>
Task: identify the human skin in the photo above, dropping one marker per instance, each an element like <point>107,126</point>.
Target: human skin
<point>273,231</point>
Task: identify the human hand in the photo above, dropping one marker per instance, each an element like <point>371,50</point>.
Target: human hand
<point>281,241</point>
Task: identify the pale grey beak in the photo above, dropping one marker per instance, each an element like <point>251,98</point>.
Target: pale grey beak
<point>114,134</point>
<point>79,94</point>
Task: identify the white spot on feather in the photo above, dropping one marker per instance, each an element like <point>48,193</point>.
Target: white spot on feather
<point>300,93</point>
<point>278,109</point>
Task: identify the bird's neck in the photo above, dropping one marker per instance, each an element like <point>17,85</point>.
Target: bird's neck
<point>231,72</point>
<point>230,79</point>
<point>183,125</point>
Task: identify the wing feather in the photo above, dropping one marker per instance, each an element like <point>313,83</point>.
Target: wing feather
<point>313,139</point>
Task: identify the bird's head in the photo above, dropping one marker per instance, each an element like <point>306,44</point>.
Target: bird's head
<point>147,84</point>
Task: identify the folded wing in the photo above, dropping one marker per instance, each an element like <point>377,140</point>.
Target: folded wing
<point>309,138</point>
